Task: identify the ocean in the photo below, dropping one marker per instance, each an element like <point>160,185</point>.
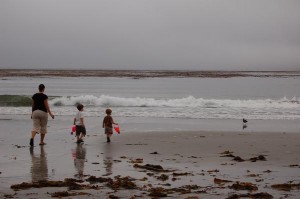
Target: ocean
<point>160,98</point>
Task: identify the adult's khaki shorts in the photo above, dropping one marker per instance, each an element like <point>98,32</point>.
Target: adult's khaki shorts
<point>40,120</point>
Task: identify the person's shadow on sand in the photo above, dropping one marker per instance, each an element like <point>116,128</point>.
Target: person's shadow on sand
<point>79,156</point>
<point>39,167</point>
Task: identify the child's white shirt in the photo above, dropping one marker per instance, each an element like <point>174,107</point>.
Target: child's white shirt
<point>77,118</point>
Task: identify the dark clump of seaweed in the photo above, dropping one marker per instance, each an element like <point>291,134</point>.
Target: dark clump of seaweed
<point>158,192</point>
<point>163,177</point>
<point>94,179</point>
<point>121,182</point>
<point>260,158</point>
<point>72,184</point>
<point>62,194</point>
<point>221,181</point>
<point>181,174</point>
<point>151,167</point>
<point>286,186</point>
<point>38,184</point>
<point>243,186</point>
<point>238,159</point>
<point>253,196</point>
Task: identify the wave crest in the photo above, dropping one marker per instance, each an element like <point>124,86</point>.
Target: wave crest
<point>190,101</point>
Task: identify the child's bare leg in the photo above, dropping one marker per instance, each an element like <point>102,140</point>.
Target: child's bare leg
<point>81,136</point>
<point>108,135</point>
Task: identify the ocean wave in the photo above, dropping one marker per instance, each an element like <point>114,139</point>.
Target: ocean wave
<point>15,100</point>
<point>186,107</point>
<point>190,101</point>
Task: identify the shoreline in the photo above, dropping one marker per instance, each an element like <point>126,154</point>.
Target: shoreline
<point>144,73</point>
<point>152,125</point>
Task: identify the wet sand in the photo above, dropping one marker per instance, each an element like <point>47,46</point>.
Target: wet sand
<point>176,164</point>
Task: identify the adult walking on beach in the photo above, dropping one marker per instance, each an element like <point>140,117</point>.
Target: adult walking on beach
<point>39,116</point>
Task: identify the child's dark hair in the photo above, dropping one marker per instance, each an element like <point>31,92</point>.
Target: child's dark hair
<point>79,106</point>
<point>108,111</point>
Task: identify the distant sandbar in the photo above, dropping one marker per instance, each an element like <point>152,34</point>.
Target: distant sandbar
<point>144,73</point>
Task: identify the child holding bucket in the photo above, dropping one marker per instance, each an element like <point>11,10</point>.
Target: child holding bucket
<point>79,122</point>
<point>108,124</point>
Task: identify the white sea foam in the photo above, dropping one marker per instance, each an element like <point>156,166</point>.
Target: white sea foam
<point>110,101</point>
<point>188,107</point>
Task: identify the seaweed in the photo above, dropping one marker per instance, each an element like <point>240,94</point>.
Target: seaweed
<point>151,167</point>
<point>121,182</point>
<point>244,186</point>
<point>158,192</point>
<point>253,196</point>
<point>286,186</point>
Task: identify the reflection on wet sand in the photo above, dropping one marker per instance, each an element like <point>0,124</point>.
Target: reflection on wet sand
<point>79,156</point>
<point>39,167</point>
<point>108,163</point>
<point>108,159</point>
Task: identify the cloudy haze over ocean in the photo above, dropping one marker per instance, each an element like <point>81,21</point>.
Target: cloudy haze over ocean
<point>150,34</point>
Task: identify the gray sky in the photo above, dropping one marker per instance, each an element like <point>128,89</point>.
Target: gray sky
<point>150,34</point>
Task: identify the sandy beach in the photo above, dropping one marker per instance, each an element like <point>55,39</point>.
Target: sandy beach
<point>174,164</point>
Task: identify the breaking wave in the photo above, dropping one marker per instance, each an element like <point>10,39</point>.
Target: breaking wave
<point>110,101</point>
<point>186,107</point>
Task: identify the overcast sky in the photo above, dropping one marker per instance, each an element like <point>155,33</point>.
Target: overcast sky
<point>150,34</point>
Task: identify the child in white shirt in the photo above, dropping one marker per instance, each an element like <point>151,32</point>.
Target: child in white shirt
<point>79,122</point>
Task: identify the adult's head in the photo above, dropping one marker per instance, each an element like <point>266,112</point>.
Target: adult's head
<point>41,87</point>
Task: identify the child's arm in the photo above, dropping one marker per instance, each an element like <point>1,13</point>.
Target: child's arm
<point>112,121</point>
<point>74,121</point>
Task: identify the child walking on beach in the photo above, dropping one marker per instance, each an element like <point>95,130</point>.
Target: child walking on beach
<point>79,122</point>
<point>108,124</point>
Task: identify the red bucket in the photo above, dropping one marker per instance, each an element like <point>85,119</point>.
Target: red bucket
<point>117,128</point>
<point>73,129</point>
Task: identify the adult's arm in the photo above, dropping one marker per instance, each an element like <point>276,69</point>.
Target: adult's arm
<point>32,107</point>
<point>48,108</point>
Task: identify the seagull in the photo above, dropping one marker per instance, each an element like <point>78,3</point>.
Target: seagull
<point>244,123</point>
